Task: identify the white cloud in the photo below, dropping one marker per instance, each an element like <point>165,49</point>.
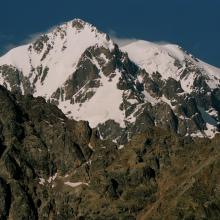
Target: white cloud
<point>9,46</point>
<point>33,37</point>
<point>29,39</point>
<point>120,40</point>
<point>123,41</point>
<point>161,42</point>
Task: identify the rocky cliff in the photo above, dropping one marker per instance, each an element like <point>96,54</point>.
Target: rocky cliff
<point>52,167</point>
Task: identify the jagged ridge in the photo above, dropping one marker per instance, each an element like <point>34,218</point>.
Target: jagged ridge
<point>82,71</point>
<point>55,168</point>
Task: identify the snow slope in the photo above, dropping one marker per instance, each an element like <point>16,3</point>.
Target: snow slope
<point>103,106</point>
<point>170,61</point>
<point>68,43</point>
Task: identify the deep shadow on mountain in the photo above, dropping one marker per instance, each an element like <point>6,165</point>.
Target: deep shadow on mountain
<point>55,168</point>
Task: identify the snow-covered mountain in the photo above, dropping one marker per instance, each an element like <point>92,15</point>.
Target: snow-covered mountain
<point>50,60</point>
<point>171,60</point>
<point>181,77</point>
<point>120,91</point>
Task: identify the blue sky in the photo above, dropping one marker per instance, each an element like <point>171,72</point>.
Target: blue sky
<point>193,24</point>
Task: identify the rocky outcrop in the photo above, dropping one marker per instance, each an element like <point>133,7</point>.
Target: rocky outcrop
<point>52,167</point>
<point>37,141</point>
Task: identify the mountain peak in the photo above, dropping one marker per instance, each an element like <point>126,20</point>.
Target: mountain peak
<point>118,90</point>
<point>170,60</point>
<point>56,54</point>
<point>77,24</point>
<point>71,29</point>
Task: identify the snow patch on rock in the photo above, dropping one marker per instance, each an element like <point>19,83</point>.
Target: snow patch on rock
<point>102,106</point>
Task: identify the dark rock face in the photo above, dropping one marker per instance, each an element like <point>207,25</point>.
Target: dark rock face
<point>187,108</point>
<point>13,77</point>
<point>36,141</point>
<point>169,106</point>
<point>55,168</point>
<point>5,199</point>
